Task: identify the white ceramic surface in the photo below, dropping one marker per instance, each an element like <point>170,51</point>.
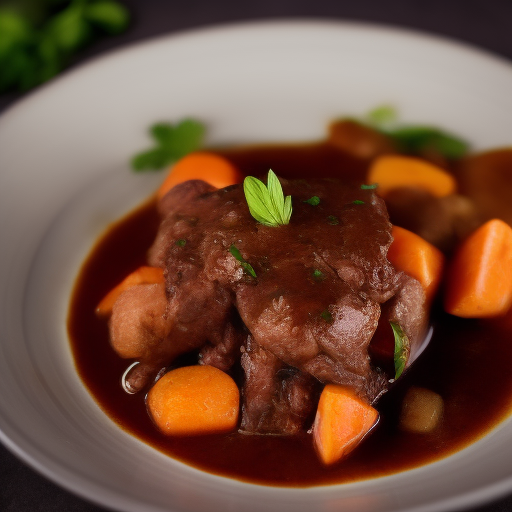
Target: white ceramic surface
<point>64,177</point>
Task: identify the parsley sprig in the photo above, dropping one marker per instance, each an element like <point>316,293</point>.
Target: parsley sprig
<point>172,142</point>
<point>402,348</point>
<point>267,203</point>
<point>412,138</point>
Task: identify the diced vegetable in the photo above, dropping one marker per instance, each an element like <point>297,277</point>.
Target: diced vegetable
<point>417,258</point>
<point>395,171</point>
<point>143,275</point>
<point>342,420</point>
<point>422,409</point>
<point>214,169</point>
<point>479,279</point>
<point>194,400</point>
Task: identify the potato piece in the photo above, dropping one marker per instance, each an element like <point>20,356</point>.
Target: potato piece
<point>422,410</point>
<point>142,275</point>
<point>138,320</point>
<point>194,400</point>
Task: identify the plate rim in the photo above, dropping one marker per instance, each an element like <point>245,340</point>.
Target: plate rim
<point>78,485</point>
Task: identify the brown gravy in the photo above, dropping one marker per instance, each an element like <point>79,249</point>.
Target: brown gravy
<point>467,363</point>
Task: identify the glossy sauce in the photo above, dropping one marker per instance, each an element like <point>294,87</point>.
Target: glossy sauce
<point>467,363</point>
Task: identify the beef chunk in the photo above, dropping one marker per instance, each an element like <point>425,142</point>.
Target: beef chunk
<point>277,399</point>
<point>442,221</point>
<point>309,314</point>
<point>359,140</point>
<point>224,351</point>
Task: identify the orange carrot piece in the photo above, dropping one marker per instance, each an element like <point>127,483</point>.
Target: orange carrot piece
<point>214,169</point>
<point>395,171</point>
<point>194,400</point>
<point>342,420</point>
<point>479,280</point>
<point>417,258</point>
<point>143,275</point>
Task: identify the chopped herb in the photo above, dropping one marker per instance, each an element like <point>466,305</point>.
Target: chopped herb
<point>181,242</point>
<point>318,275</point>
<point>172,143</point>
<point>238,256</point>
<point>332,220</point>
<point>373,186</point>
<point>327,316</point>
<point>402,348</point>
<point>313,201</point>
<point>267,204</point>
<point>357,201</point>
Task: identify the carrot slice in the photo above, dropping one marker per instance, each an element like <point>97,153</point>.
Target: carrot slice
<point>210,167</point>
<point>417,258</point>
<point>395,171</point>
<point>143,275</point>
<point>194,400</point>
<point>342,420</point>
<point>479,281</point>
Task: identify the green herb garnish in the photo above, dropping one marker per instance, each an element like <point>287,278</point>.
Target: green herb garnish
<point>327,316</point>
<point>238,256</point>
<point>417,139</point>
<point>332,220</point>
<point>373,186</point>
<point>181,242</point>
<point>172,143</point>
<point>357,201</point>
<point>414,139</point>
<point>402,348</point>
<point>382,115</point>
<point>267,204</point>
<point>318,275</point>
<point>38,39</point>
<point>313,201</point>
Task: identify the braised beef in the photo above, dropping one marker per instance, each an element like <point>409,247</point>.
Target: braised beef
<point>311,310</point>
<point>277,399</point>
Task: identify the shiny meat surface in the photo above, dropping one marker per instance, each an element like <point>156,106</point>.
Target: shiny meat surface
<point>306,318</point>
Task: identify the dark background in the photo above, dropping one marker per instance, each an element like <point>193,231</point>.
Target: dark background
<point>481,23</point>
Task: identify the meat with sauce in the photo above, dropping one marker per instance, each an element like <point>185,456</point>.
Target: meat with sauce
<point>304,316</point>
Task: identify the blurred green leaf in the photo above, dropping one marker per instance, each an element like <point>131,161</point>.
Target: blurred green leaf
<point>420,139</point>
<point>172,143</point>
<point>51,61</point>
<point>30,55</point>
<point>69,30</point>
<point>414,139</point>
<point>152,159</point>
<point>14,31</point>
<point>162,132</point>
<point>382,115</point>
<point>111,17</point>
<point>187,136</point>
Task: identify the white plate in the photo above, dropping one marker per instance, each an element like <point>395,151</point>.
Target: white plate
<point>64,177</point>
